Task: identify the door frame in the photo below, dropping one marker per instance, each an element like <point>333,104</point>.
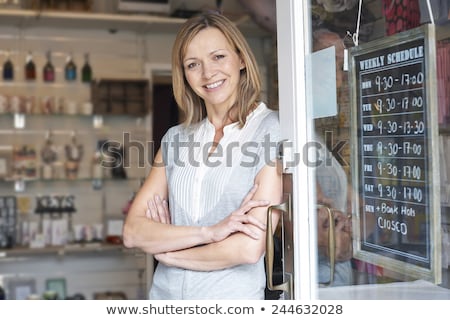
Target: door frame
<point>294,45</point>
<point>150,71</point>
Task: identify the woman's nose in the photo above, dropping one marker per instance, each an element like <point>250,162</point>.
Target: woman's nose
<point>208,70</point>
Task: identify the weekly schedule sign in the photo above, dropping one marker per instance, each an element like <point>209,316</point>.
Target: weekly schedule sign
<point>396,171</point>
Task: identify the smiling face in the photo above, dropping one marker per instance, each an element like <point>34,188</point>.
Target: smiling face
<point>212,69</point>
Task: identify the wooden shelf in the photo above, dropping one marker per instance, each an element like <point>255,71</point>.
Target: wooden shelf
<point>141,23</point>
<point>87,20</point>
<point>67,180</point>
<point>75,249</point>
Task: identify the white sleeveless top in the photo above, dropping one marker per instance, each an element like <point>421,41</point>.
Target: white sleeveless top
<point>204,189</point>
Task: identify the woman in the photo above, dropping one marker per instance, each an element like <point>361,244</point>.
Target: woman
<point>215,169</point>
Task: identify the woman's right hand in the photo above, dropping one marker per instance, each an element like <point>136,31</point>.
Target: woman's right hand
<point>239,220</point>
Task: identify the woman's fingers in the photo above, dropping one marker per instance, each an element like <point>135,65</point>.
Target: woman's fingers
<point>148,213</point>
<point>254,221</point>
<point>158,210</point>
<point>249,232</point>
<point>152,211</point>
<point>161,210</point>
<point>247,219</point>
<point>248,205</point>
<point>244,224</point>
<point>166,210</point>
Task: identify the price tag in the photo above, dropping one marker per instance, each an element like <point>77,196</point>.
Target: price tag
<point>19,121</point>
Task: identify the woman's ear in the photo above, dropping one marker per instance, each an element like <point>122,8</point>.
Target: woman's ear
<point>242,67</point>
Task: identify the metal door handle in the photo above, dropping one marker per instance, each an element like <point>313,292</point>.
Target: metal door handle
<point>285,286</point>
<point>331,243</point>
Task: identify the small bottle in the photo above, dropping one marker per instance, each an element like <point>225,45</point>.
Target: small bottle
<point>97,171</point>
<point>49,156</point>
<point>8,69</point>
<point>70,70</point>
<point>49,70</point>
<point>86,72</point>
<point>30,68</point>
<point>97,168</point>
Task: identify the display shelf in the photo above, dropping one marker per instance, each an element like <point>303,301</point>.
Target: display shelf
<point>70,249</point>
<point>48,114</point>
<point>66,180</point>
<point>59,116</point>
<point>54,85</point>
<point>102,119</point>
<point>37,115</point>
<point>67,124</point>
<point>140,23</point>
<point>86,20</point>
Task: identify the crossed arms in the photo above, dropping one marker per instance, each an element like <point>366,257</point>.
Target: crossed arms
<point>237,239</point>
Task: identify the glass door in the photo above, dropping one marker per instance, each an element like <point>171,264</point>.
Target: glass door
<point>363,155</point>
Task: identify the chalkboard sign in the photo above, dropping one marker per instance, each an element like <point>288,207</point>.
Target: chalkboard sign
<point>396,170</point>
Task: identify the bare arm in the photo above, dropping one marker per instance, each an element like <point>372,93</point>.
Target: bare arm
<point>238,248</point>
<point>152,236</point>
<point>155,236</point>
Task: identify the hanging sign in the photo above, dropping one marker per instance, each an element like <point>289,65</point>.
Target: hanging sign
<point>396,171</point>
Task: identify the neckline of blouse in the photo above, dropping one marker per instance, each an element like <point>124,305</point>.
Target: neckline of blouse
<point>235,125</point>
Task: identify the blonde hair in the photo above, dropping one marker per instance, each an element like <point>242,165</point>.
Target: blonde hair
<point>249,87</point>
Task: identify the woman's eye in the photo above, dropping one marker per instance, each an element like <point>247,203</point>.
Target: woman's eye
<point>191,65</point>
<point>219,56</point>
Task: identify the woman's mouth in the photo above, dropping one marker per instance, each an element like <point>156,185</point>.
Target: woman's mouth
<point>214,85</point>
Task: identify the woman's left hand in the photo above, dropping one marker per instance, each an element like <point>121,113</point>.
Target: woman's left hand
<point>158,210</point>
